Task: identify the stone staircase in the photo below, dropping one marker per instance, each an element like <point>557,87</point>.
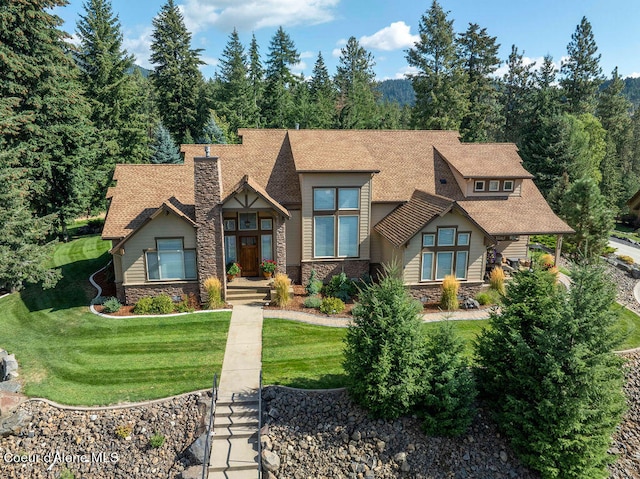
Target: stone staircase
<point>244,290</point>
<point>234,450</point>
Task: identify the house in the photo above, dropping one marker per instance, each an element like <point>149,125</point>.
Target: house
<point>328,201</point>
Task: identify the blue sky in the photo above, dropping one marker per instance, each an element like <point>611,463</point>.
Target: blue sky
<point>385,28</point>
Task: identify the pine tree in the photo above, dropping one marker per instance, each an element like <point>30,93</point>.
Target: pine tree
<point>355,81</point>
<point>163,148</point>
<point>548,373</point>
<point>234,97</point>
<point>582,74</point>
<point>323,96</point>
<point>176,76</point>
<point>25,252</point>
<point>515,95</point>
<point>212,133</point>
<point>277,100</point>
<point>585,210</point>
<point>441,97</point>
<point>256,77</point>
<point>479,52</point>
<point>48,131</point>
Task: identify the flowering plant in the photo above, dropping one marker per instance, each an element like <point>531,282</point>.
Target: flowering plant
<point>268,265</point>
<point>234,269</point>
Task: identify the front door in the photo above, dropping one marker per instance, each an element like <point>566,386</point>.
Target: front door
<point>248,255</point>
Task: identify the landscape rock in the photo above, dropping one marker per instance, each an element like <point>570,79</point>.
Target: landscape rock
<point>15,423</point>
<point>270,461</point>
<point>196,452</point>
<point>470,303</point>
<point>192,472</point>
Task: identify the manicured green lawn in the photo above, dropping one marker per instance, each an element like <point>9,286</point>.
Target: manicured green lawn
<point>71,356</point>
<point>629,328</point>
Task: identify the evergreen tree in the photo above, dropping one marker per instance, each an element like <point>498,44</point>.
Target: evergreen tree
<point>441,98</point>
<point>323,96</point>
<point>234,98</point>
<point>383,348</point>
<point>212,133</point>
<point>515,94</point>
<point>163,148</point>
<point>479,52</point>
<point>277,100</point>
<point>256,77</point>
<point>302,113</point>
<point>134,134</point>
<point>47,130</point>
<point>25,253</point>
<point>585,210</point>
<point>356,88</point>
<point>582,74</point>
<point>548,374</point>
<point>176,76</point>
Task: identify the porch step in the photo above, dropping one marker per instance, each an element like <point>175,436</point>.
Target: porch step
<point>247,295</point>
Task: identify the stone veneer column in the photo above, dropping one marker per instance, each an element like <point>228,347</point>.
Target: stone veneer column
<point>209,236</point>
<point>281,244</point>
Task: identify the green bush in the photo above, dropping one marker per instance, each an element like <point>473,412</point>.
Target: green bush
<point>331,306</point>
<point>156,441</point>
<point>185,305</point>
<point>490,296</point>
<point>66,474</point>
<point>143,306</point>
<point>214,289</point>
<point>314,286</point>
<point>111,305</point>
<point>383,347</point>
<point>340,287</point>
<point>449,298</point>
<point>313,302</point>
<point>162,304</point>
<point>124,430</point>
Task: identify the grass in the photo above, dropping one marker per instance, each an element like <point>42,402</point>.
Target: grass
<point>628,232</point>
<point>69,355</point>
<point>629,327</point>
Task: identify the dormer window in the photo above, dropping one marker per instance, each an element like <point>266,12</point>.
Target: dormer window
<point>507,185</point>
<point>494,185</point>
<point>478,185</point>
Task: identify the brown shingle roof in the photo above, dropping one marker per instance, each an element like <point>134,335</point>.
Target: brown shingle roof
<point>485,160</point>
<point>405,221</point>
<point>526,214</point>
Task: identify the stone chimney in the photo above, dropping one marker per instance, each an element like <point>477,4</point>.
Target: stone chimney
<point>209,235</point>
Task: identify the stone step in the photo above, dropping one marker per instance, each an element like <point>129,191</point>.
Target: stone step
<point>234,474</point>
<point>247,295</point>
<point>237,419</point>
<point>239,431</point>
<point>234,453</point>
<point>247,286</point>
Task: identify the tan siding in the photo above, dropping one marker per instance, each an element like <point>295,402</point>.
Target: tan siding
<point>294,240</point>
<point>412,256</point>
<point>246,199</point>
<point>379,211</point>
<point>164,226</point>
<point>514,249</point>
<point>310,180</point>
<point>117,268</point>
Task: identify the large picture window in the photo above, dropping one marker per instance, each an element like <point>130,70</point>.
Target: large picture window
<point>170,261</point>
<point>445,252</point>
<point>336,222</point>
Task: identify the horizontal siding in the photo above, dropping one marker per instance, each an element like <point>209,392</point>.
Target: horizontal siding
<point>514,249</point>
<point>413,252</point>
<point>164,226</point>
<point>294,241</point>
<point>310,180</point>
<point>379,211</point>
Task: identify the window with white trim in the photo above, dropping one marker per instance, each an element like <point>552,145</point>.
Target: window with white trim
<point>336,222</point>
<point>507,185</point>
<point>445,252</point>
<point>478,185</point>
<point>494,185</point>
<point>170,261</point>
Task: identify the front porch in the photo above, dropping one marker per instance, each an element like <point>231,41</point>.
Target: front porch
<point>249,289</point>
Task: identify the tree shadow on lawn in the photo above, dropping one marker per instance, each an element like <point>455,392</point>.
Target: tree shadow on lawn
<point>72,291</point>
<point>326,381</point>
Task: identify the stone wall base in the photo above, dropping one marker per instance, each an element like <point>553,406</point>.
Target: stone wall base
<point>432,293</point>
<point>325,270</point>
<point>133,293</point>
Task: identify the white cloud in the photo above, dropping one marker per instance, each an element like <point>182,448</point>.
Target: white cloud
<point>299,67</point>
<point>139,47</point>
<point>336,52</point>
<point>307,54</point>
<point>209,61</point>
<point>633,75</point>
<point>247,15</point>
<point>536,62</point>
<point>404,72</point>
<point>394,37</point>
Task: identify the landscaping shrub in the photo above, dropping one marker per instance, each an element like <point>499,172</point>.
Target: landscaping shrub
<point>383,347</point>
<point>340,287</point>
<point>111,305</point>
<point>448,389</point>
<point>143,306</point>
<point>496,280</point>
<point>162,304</point>
<point>546,261</point>
<point>156,441</point>
<point>314,286</point>
<point>626,259</point>
<point>449,298</point>
<point>313,302</point>
<point>214,290</point>
<point>489,296</point>
<point>281,284</point>
<point>185,305</point>
<point>124,430</point>
<point>331,305</point>
<point>66,474</point>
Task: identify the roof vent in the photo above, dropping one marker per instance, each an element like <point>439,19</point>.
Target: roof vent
<point>443,181</point>
<point>207,151</point>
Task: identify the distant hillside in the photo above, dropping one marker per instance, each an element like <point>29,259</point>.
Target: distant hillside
<point>399,91</point>
<point>631,90</point>
<point>143,71</point>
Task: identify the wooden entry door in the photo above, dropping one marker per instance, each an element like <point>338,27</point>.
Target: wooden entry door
<point>248,255</point>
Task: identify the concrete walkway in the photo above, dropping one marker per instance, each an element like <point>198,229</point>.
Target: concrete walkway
<point>234,451</point>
